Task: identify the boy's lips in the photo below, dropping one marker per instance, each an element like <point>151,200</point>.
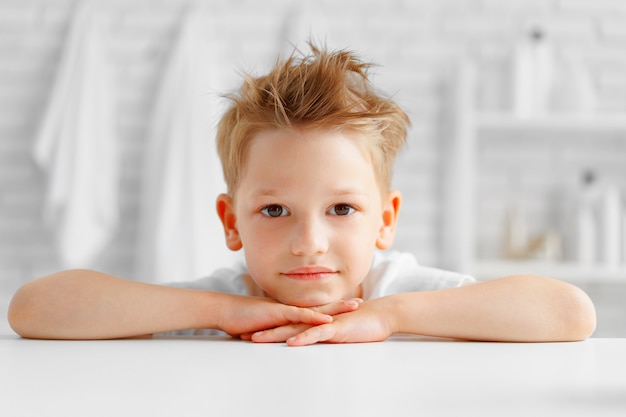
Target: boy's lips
<point>309,273</point>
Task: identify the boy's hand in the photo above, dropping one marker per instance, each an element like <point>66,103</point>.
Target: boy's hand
<point>370,323</point>
<point>241,315</point>
<point>331,309</point>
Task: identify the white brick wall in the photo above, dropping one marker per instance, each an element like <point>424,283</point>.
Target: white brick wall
<point>416,43</point>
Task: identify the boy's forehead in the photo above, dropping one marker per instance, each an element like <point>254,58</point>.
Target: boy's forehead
<point>288,139</point>
<point>299,144</point>
<point>282,155</point>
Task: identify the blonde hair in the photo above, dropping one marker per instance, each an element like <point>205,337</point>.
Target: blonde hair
<point>328,90</point>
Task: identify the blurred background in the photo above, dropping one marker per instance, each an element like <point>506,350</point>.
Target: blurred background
<point>516,159</point>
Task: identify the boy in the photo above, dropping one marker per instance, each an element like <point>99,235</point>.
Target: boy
<point>307,153</point>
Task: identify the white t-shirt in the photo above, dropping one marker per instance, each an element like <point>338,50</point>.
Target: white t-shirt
<point>392,272</point>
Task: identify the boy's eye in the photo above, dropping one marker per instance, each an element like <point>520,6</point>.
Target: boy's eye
<point>274,210</point>
<point>341,210</point>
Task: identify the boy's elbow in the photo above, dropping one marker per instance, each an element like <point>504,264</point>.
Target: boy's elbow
<point>580,318</point>
<point>19,313</point>
<point>34,304</point>
<point>26,315</point>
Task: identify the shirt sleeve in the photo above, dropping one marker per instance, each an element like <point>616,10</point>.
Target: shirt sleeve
<point>224,280</point>
<point>399,272</point>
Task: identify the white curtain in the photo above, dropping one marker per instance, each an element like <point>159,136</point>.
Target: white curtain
<point>180,237</point>
<point>76,145</point>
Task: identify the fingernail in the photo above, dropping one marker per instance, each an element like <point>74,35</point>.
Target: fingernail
<point>258,333</point>
<point>352,303</point>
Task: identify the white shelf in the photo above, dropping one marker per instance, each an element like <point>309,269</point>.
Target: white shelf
<point>566,271</point>
<point>554,122</point>
<point>466,126</point>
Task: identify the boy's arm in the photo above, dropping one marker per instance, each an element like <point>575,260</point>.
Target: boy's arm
<point>513,309</point>
<point>83,304</point>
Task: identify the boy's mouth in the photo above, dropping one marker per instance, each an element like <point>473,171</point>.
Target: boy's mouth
<point>309,273</point>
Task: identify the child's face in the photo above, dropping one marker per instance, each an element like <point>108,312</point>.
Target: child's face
<point>309,213</point>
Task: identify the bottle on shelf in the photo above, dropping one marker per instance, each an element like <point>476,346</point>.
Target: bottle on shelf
<point>546,247</point>
<point>599,223</point>
<point>610,224</point>
<point>586,221</point>
<point>624,235</point>
<point>516,238</point>
<point>533,73</point>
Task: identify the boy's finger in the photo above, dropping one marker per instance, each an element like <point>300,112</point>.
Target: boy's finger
<point>338,307</point>
<point>306,315</point>
<point>313,335</point>
<point>279,334</point>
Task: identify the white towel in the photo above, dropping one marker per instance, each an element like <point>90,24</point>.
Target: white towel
<point>76,146</point>
<point>180,237</point>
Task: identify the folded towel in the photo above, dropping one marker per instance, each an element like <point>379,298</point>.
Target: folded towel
<point>76,146</point>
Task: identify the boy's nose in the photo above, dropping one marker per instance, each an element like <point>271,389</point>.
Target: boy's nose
<point>309,238</point>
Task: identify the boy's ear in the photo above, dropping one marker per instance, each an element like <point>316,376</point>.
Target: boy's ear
<point>226,212</point>
<point>391,210</point>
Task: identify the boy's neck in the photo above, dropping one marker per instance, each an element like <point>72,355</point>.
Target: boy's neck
<point>253,289</point>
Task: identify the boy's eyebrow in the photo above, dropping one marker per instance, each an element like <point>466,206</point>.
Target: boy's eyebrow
<point>349,191</point>
<point>265,192</point>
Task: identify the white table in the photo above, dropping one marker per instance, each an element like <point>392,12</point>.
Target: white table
<point>403,376</point>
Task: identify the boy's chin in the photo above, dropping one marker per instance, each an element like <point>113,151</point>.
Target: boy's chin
<point>309,301</point>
